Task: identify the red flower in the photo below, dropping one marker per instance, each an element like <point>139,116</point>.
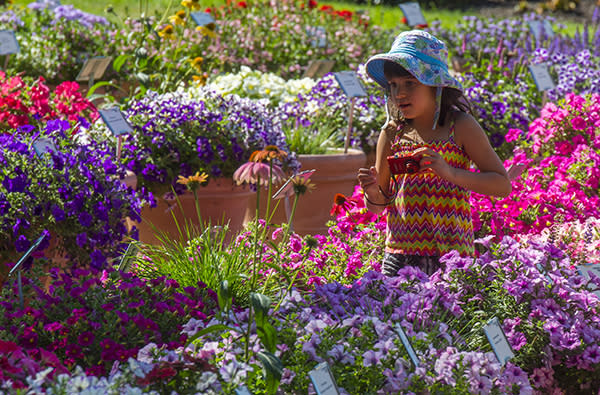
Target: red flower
<point>404,20</point>
<point>346,14</point>
<point>422,26</point>
<point>208,10</point>
<point>326,8</point>
<point>312,4</point>
<point>342,204</point>
<point>7,347</point>
<point>242,4</point>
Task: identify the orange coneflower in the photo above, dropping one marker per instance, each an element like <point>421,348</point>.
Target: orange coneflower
<point>267,154</point>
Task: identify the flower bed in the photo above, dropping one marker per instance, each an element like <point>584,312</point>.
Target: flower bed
<point>74,194</point>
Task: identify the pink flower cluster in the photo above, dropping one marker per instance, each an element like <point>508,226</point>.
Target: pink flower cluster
<point>24,102</point>
<point>561,155</point>
<point>16,363</point>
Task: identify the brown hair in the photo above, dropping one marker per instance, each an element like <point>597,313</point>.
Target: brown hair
<point>452,98</point>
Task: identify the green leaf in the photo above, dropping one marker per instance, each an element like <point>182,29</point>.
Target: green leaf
<point>224,295</point>
<point>273,370</point>
<point>98,85</point>
<point>119,62</point>
<point>210,329</point>
<point>261,304</point>
<point>268,336</point>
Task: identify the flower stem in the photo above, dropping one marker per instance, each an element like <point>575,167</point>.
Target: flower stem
<point>287,230</point>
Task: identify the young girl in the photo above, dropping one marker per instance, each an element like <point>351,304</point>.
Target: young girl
<point>428,119</point>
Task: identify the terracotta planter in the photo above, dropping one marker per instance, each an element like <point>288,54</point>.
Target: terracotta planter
<point>335,173</point>
<point>220,202</point>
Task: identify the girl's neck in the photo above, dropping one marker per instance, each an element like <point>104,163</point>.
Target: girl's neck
<point>423,123</point>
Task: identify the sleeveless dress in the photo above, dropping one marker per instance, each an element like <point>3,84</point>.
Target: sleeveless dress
<point>430,216</point>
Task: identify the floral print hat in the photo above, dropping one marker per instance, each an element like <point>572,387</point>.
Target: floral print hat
<point>422,55</point>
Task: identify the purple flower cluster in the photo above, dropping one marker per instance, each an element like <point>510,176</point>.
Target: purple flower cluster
<point>544,305</point>
<point>74,193</point>
<point>175,134</point>
<point>69,13</point>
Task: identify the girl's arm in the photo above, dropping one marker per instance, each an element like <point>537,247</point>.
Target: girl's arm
<point>371,180</point>
<point>492,178</point>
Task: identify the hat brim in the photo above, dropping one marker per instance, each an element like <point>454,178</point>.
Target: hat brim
<point>433,76</point>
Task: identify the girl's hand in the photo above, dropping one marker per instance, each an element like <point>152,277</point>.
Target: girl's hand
<point>367,177</point>
<point>430,159</point>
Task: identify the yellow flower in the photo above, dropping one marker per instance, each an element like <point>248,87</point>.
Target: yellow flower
<point>302,185</point>
<point>193,4</point>
<point>197,63</point>
<point>207,31</point>
<point>193,182</point>
<point>167,32</point>
<point>200,79</point>
<point>177,20</point>
<point>181,13</point>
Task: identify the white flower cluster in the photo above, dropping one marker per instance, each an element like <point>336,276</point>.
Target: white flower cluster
<point>257,85</point>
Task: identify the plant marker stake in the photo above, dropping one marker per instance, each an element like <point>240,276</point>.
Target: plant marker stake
<point>17,268</point>
<point>288,210</point>
<point>119,147</point>
<point>350,120</point>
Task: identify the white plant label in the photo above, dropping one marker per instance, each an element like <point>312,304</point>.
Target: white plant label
<point>8,42</point>
<point>116,122</point>
<point>323,381</point>
<point>93,68</point>
<point>43,145</point>
<point>409,348</point>
<point>318,68</point>
<point>497,338</point>
<point>202,18</point>
<point>413,14</point>
<point>350,84</point>
<point>541,76</point>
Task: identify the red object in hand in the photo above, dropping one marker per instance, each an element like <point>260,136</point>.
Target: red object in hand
<point>403,164</point>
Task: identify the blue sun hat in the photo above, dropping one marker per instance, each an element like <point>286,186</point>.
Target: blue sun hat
<point>422,55</point>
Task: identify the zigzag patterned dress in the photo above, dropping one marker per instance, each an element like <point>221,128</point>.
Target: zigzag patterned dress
<point>430,216</point>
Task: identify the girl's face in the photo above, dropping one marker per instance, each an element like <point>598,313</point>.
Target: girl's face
<point>411,97</point>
